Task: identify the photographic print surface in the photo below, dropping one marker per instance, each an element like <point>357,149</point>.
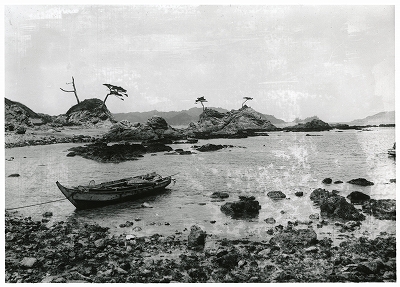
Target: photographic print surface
<point>200,143</point>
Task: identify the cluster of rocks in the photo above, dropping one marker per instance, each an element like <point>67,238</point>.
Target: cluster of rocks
<point>76,252</point>
<point>103,152</point>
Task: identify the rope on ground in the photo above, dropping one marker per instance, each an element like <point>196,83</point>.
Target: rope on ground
<point>35,204</point>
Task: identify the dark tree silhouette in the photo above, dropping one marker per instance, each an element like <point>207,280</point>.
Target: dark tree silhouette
<point>246,99</point>
<point>200,100</point>
<point>116,91</point>
<point>74,91</point>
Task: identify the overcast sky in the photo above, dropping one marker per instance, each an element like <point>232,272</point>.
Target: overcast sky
<point>336,62</point>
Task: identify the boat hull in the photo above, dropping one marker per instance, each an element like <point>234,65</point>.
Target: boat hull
<point>82,199</point>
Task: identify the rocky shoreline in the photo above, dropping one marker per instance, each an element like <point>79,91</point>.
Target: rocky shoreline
<point>77,252</point>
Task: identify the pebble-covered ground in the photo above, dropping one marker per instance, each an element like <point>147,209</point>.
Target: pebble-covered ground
<point>78,252</point>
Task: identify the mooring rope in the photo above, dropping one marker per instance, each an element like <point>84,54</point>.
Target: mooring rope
<point>36,204</point>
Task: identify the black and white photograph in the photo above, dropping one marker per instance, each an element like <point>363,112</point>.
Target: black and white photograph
<point>199,143</point>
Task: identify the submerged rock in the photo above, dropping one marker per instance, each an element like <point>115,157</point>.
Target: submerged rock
<point>361,181</point>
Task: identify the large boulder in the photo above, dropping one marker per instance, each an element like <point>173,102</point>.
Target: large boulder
<point>196,238</point>
<point>247,206</point>
<point>358,197</point>
<point>336,206</point>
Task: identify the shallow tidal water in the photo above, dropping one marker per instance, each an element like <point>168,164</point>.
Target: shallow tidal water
<point>288,162</point>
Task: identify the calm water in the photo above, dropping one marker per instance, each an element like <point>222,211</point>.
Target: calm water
<point>288,162</point>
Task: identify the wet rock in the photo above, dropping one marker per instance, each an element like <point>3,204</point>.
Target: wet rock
<point>14,175</point>
<point>381,208</point>
<point>338,182</point>
<point>71,154</point>
<point>47,214</point>
<point>392,180</point>
<point>336,206</point>
<point>219,194</point>
<point>196,238</point>
<point>358,197</point>
<point>327,180</point>
<point>247,206</point>
<point>298,193</point>
<point>361,181</point>
<point>276,195</point>
<point>318,195</point>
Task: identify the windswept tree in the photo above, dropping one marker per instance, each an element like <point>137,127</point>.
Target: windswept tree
<point>200,100</point>
<point>116,91</point>
<point>246,99</point>
<point>73,91</point>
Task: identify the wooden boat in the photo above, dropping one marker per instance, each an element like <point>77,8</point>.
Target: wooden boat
<point>106,193</point>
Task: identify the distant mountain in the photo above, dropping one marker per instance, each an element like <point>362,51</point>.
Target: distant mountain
<point>377,119</point>
<point>180,118</point>
<point>176,118</point>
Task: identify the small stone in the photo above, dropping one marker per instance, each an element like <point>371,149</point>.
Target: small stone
<point>99,243</point>
<point>314,216</point>
<point>270,220</point>
<point>327,180</point>
<point>264,252</point>
<point>146,205</point>
<point>28,262</point>
<point>299,193</point>
<point>48,214</point>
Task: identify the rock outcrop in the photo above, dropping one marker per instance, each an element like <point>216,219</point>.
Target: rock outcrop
<point>88,112</point>
<point>316,125</point>
<point>156,128</point>
<point>18,116</point>
<point>234,124</point>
